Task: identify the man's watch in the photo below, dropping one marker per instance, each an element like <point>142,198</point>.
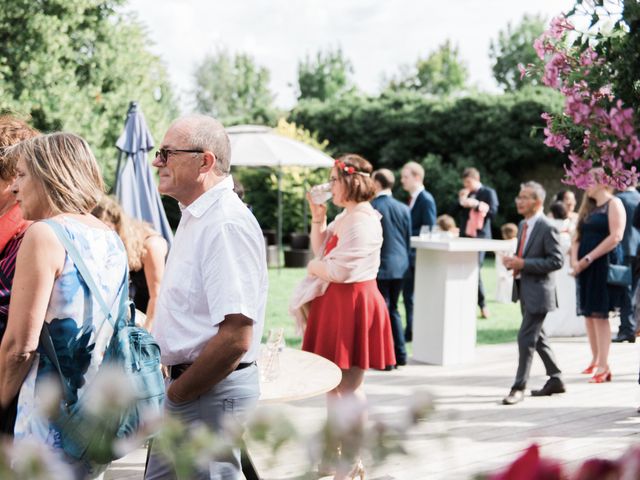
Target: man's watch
<point>587,258</point>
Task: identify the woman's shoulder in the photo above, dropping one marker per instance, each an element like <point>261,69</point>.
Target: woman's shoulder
<point>155,243</point>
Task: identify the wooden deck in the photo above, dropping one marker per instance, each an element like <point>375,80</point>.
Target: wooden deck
<point>470,431</point>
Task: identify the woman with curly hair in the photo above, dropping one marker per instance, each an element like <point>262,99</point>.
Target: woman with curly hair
<point>146,250</point>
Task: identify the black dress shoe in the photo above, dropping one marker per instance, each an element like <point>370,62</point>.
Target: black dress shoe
<point>388,368</point>
<point>553,385</point>
<point>408,336</point>
<point>624,338</point>
<point>401,363</point>
<point>515,396</point>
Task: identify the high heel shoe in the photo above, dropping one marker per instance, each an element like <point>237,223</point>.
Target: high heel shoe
<point>357,471</point>
<point>589,370</point>
<point>601,377</point>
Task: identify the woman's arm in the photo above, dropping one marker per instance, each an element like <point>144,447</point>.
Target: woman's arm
<point>617,220</point>
<point>155,252</point>
<point>40,260</point>
<point>318,225</point>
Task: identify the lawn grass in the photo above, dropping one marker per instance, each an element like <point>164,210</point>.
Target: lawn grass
<point>501,327</point>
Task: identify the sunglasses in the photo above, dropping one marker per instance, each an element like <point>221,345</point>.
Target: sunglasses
<point>163,153</point>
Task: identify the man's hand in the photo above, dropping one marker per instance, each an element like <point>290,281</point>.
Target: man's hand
<point>220,356</point>
<point>513,263</point>
<point>174,396</point>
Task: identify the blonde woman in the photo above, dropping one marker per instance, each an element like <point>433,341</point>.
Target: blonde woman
<point>146,250</point>
<point>601,222</point>
<point>58,180</point>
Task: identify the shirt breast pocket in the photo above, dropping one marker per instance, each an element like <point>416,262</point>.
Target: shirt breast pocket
<point>178,292</point>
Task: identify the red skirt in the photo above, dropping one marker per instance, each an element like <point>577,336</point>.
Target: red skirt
<point>350,326</point>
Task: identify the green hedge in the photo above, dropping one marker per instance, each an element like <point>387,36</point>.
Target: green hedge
<point>500,135</point>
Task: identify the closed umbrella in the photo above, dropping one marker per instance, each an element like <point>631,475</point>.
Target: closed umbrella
<point>135,186</point>
<point>259,146</point>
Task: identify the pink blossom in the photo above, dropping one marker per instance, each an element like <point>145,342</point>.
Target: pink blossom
<point>558,26</point>
<point>588,57</point>
<point>523,71</point>
<point>538,45</point>
<point>597,469</point>
<point>529,466</point>
<point>609,131</point>
<point>550,78</point>
<point>555,140</point>
<point>621,120</point>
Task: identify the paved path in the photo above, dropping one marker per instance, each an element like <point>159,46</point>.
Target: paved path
<point>470,431</point>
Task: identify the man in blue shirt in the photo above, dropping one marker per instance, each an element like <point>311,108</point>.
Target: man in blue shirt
<point>423,212</point>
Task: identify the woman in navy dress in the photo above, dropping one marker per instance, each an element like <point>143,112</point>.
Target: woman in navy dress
<point>601,222</point>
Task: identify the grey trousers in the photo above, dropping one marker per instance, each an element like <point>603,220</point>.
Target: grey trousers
<point>236,396</point>
<point>531,337</point>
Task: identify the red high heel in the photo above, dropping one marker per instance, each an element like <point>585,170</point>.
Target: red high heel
<point>601,377</point>
<point>589,370</point>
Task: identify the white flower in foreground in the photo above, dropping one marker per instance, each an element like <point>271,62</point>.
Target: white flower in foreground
<point>111,390</point>
<point>36,461</point>
<point>49,396</point>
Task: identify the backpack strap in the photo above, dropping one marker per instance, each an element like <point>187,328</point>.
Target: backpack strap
<point>49,350</point>
<point>82,267</point>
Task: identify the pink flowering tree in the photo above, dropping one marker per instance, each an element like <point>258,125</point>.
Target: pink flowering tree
<point>595,129</point>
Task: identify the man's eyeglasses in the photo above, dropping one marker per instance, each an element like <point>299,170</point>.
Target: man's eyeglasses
<point>163,153</point>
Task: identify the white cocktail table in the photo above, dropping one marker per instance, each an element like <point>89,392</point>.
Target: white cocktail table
<point>446,297</point>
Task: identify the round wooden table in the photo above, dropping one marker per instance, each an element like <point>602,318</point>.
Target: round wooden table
<point>300,375</point>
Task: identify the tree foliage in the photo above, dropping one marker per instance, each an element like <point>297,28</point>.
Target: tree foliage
<point>234,89</point>
<point>324,77</point>
<point>441,73</point>
<point>75,65</point>
<point>513,47</point>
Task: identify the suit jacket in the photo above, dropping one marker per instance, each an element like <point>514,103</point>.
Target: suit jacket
<point>542,255</point>
<point>423,212</point>
<point>396,234</point>
<point>487,195</point>
<point>631,239</point>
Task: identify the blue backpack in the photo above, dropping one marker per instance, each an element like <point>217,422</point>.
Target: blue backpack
<point>88,435</point>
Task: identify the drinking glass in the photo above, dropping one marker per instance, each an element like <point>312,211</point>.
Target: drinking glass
<point>320,193</point>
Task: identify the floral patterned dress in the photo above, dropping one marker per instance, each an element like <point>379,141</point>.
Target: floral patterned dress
<point>76,324</point>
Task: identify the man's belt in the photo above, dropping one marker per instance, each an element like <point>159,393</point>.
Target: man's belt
<point>176,370</point>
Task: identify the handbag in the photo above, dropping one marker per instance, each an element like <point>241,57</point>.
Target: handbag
<point>84,433</point>
<point>619,275</point>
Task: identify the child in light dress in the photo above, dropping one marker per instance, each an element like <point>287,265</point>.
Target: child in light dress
<point>504,284</point>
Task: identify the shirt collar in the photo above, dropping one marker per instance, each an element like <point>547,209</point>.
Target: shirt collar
<point>384,193</point>
<point>208,198</point>
<point>417,191</point>
<point>532,221</point>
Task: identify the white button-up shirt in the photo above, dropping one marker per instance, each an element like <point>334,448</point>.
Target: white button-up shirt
<point>216,267</point>
<point>414,195</point>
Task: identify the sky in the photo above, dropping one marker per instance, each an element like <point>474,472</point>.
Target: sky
<point>377,36</point>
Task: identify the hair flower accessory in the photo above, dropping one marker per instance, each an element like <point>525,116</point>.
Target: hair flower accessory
<point>348,169</point>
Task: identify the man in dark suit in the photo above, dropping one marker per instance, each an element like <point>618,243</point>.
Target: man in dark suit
<point>394,256</point>
<point>538,254</point>
<point>423,212</point>
<point>475,201</point>
<point>630,243</point>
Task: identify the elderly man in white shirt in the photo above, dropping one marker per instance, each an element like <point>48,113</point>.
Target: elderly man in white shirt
<point>211,306</point>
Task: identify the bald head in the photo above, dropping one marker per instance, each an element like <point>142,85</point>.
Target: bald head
<point>208,134</point>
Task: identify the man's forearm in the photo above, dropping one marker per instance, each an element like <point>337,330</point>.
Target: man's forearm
<point>217,360</point>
